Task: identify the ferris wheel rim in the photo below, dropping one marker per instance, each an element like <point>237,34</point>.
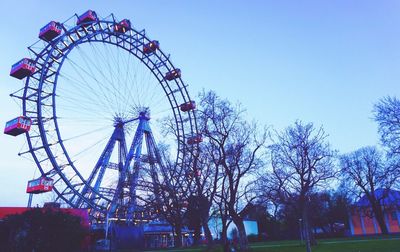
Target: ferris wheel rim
<point>50,49</point>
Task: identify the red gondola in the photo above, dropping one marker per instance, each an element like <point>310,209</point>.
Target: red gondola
<point>40,185</point>
<point>195,139</point>
<point>190,105</point>
<point>23,68</point>
<point>50,31</point>
<point>122,26</point>
<point>85,18</point>
<point>171,75</point>
<point>151,47</point>
<point>18,126</point>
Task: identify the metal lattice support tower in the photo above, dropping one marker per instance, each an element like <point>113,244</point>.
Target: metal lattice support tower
<point>124,202</point>
<point>90,190</point>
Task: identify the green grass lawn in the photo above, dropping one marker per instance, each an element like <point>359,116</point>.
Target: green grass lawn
<point>351,245</point>
<point>357,244</point>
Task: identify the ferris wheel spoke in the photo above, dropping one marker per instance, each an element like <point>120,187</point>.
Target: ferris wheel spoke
<point>78,91</point>
<point>159,104</point>
<point>86,133</point>
<point>113,81</point>
<point>108,79</point>
<point>82,84</point>
<point>125,83</point>
<point>94,91</point>
<point>91,146</point>
<point>80,101</point>
<point>150,90</point>
<point>130,81</point>
<point>160,112</point>
<point>129,84</point>
<point>127,97</point>
<point>70,77</point>
<point>90,118</point>
<point>115,76</point>
<point>85,111</point>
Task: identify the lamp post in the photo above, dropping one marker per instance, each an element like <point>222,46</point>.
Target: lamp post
<point>108,242</point>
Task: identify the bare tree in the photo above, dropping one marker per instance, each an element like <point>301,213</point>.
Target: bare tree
<point>168,192</point>
<point>302,162</point>
<point>202,182</point>
<point>234,146</point>
<point>387,115</point>
<point>367,169</point>
<point>223,213</point>
<point>207,182</point>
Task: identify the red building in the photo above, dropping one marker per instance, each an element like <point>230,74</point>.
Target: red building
<point>362,220</point>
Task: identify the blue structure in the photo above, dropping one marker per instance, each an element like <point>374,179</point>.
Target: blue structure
<point>363,222</point>
<point>159,234</point>
<point>85,185</point>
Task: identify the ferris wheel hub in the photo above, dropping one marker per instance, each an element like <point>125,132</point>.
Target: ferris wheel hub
<point>144,115</point>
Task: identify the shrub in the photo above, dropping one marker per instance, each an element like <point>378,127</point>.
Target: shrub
<point>42,230</point>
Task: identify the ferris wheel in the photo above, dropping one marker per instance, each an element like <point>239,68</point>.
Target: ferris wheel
<point>98,99</point>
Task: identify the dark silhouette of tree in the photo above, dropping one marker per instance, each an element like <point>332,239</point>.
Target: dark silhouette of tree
<point>234,146</point>
<point>367,170</point>
<point>199,179</point>
<point>290,220</point>
<point>258,212</point>
<point>319,219</point>
<point>167,193</point>
<point>42,230</point>
<point>339,207</point>
<point>216,172</point>
<point>387,115</point>
<point>332,214</point>
<point>197,183</point>
<point>302,162</point>
<point>204,177</point>
<point>197,210</point>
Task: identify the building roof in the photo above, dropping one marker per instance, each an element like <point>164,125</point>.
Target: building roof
<point>388,198</point>
<point>161,227</point>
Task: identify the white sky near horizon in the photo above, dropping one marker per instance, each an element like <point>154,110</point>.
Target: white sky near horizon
<point>325,62</point>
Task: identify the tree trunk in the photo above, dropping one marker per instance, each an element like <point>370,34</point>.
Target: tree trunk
<point>306,229</point>
<point>208,235</point>
<point>306,225</point>
<point>313,241</point>
<point>178,236</point>
<point>380,218</point>
<point>243,241</point>
<point>224,238</point>
<point>197,233</point>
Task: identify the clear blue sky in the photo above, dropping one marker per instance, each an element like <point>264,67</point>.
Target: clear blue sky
<point>325,62</point>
